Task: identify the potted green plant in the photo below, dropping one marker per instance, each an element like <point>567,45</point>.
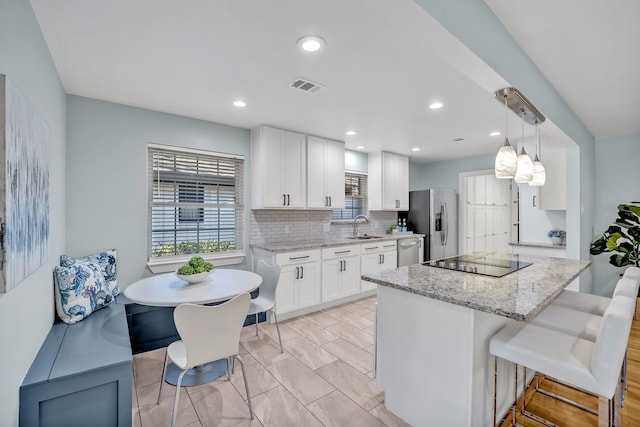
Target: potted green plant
<point>622,238</point>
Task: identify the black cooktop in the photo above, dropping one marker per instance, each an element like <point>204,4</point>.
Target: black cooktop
<point>479,264</point>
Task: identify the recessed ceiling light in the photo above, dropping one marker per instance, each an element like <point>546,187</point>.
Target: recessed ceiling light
<point>360,147</point>
<point>435,105</point>
<point>239,103</point>
<point>496,133</point>
<point>311,43</point>
<point>351,132</point>
<point>457,139</point>
<point>415,149</point>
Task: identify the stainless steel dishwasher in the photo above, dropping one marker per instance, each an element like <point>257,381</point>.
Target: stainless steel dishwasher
<point>408,251</point>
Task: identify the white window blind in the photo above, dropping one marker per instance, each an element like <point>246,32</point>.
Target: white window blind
<point>196,202</point>
<point>355,197</point>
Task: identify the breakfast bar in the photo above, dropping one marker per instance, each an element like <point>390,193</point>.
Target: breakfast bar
<point>434,323</point>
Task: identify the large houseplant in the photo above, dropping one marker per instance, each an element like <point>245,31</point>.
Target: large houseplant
<point>622,238</point>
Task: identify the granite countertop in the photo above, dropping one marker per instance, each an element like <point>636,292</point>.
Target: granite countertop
<point>519,295</point>
<point>538,245</point>
<point>319,244</point>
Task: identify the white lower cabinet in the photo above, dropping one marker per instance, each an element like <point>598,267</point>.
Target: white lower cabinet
<point>375,257</point>
<point>340,272</point>
<point>299,284</point>
<point>314,279</point>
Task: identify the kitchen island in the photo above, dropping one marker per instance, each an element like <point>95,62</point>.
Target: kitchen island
<point>433,327</point>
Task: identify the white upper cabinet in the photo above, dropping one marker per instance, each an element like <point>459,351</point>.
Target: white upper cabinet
<point>325,173</point>
<point>388,182</point>
<point>278,169</point>
<point>553,194</point>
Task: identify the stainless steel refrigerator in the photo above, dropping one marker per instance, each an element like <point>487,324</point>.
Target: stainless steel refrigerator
<point>434,213</point>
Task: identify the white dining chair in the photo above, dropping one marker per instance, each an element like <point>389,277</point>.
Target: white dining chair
<point>207,333</point>
<point>267,297</point>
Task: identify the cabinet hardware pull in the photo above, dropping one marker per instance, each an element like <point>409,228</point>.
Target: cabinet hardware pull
<point>342,252</point>
<point>345,265</point>
<point>297,273</point>
<point>291,258</point>
<point>372,247</point>
<point>330,201</point>
<point>284,200</point>
<point>301,272</point>
<point>388,246</point>
<point>288,199</point>
<point>382,258</point>
<point>326,201</point>
<point>534,201</point>
<point>340,269</point>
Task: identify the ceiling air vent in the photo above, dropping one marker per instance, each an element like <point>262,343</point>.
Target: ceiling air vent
<point>306,85</point>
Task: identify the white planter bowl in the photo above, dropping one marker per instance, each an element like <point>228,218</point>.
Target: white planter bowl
<point>194,278</point>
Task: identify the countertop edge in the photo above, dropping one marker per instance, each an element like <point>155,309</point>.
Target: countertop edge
<point>371,277</point>
<point>299,246</point>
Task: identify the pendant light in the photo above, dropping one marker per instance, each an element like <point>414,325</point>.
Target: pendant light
<point>507,158</point>
<point>539,173</point>
<point>524,170</point>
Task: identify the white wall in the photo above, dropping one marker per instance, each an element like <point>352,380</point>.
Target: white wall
<point>26,311</point>
<point>107,198</point>
<point>617,181</point>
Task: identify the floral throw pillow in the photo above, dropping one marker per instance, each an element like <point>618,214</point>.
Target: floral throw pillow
<point>107,262</point>
<point>80,290</point>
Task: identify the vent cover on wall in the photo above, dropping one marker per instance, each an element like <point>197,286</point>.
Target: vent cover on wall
<point>306,85</point>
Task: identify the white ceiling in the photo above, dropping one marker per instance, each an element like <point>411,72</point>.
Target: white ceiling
<point>380,67</point>
<point>588,50</point>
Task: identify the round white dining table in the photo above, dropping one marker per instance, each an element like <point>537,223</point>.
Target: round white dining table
<point>167,290</point>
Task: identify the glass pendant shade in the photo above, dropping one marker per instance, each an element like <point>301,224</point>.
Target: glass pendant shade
<point>539,174</point>
<point>506,161</point>
<point>524,172</point>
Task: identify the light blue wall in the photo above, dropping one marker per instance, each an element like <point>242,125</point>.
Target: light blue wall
<point>107,198</point>
<point>475,25</point>
<point>26,311</point>
<point>445,175</point>
<point>617,181</point>
<point>356,161</point>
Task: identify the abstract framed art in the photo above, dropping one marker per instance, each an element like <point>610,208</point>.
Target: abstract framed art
<point>24,187</point>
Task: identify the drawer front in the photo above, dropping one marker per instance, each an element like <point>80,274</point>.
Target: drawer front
<point>340,251</point>
<point>373,247</point>
<point>298,257</point>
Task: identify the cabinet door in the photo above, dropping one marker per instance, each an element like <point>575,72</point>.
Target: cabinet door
<point>316,173</point>
<point>389,196</point>
<point>402,182</point>
<point>553,195</point>
<point>294,169</point>
<point>334,170</point>
<point>274,162</point>
<point>308,285</point>
<point>389,260</point>
<point>350,276</point>
<point>369,263</point>
<point>331,271</point>
<point>286,291</point>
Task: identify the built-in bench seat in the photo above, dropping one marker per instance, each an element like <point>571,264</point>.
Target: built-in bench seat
<point>82,374</point>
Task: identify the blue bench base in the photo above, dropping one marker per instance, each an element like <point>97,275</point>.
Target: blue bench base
<point>82,375</point>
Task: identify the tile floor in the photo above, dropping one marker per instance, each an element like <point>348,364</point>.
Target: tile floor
<point>323,378</point>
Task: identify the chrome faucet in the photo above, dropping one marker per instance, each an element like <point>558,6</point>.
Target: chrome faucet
<point>355,224</point>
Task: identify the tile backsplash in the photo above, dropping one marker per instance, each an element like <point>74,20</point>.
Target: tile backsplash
<point>270,226</point>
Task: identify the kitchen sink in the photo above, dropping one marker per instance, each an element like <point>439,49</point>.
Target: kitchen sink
<point>365,237</point>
